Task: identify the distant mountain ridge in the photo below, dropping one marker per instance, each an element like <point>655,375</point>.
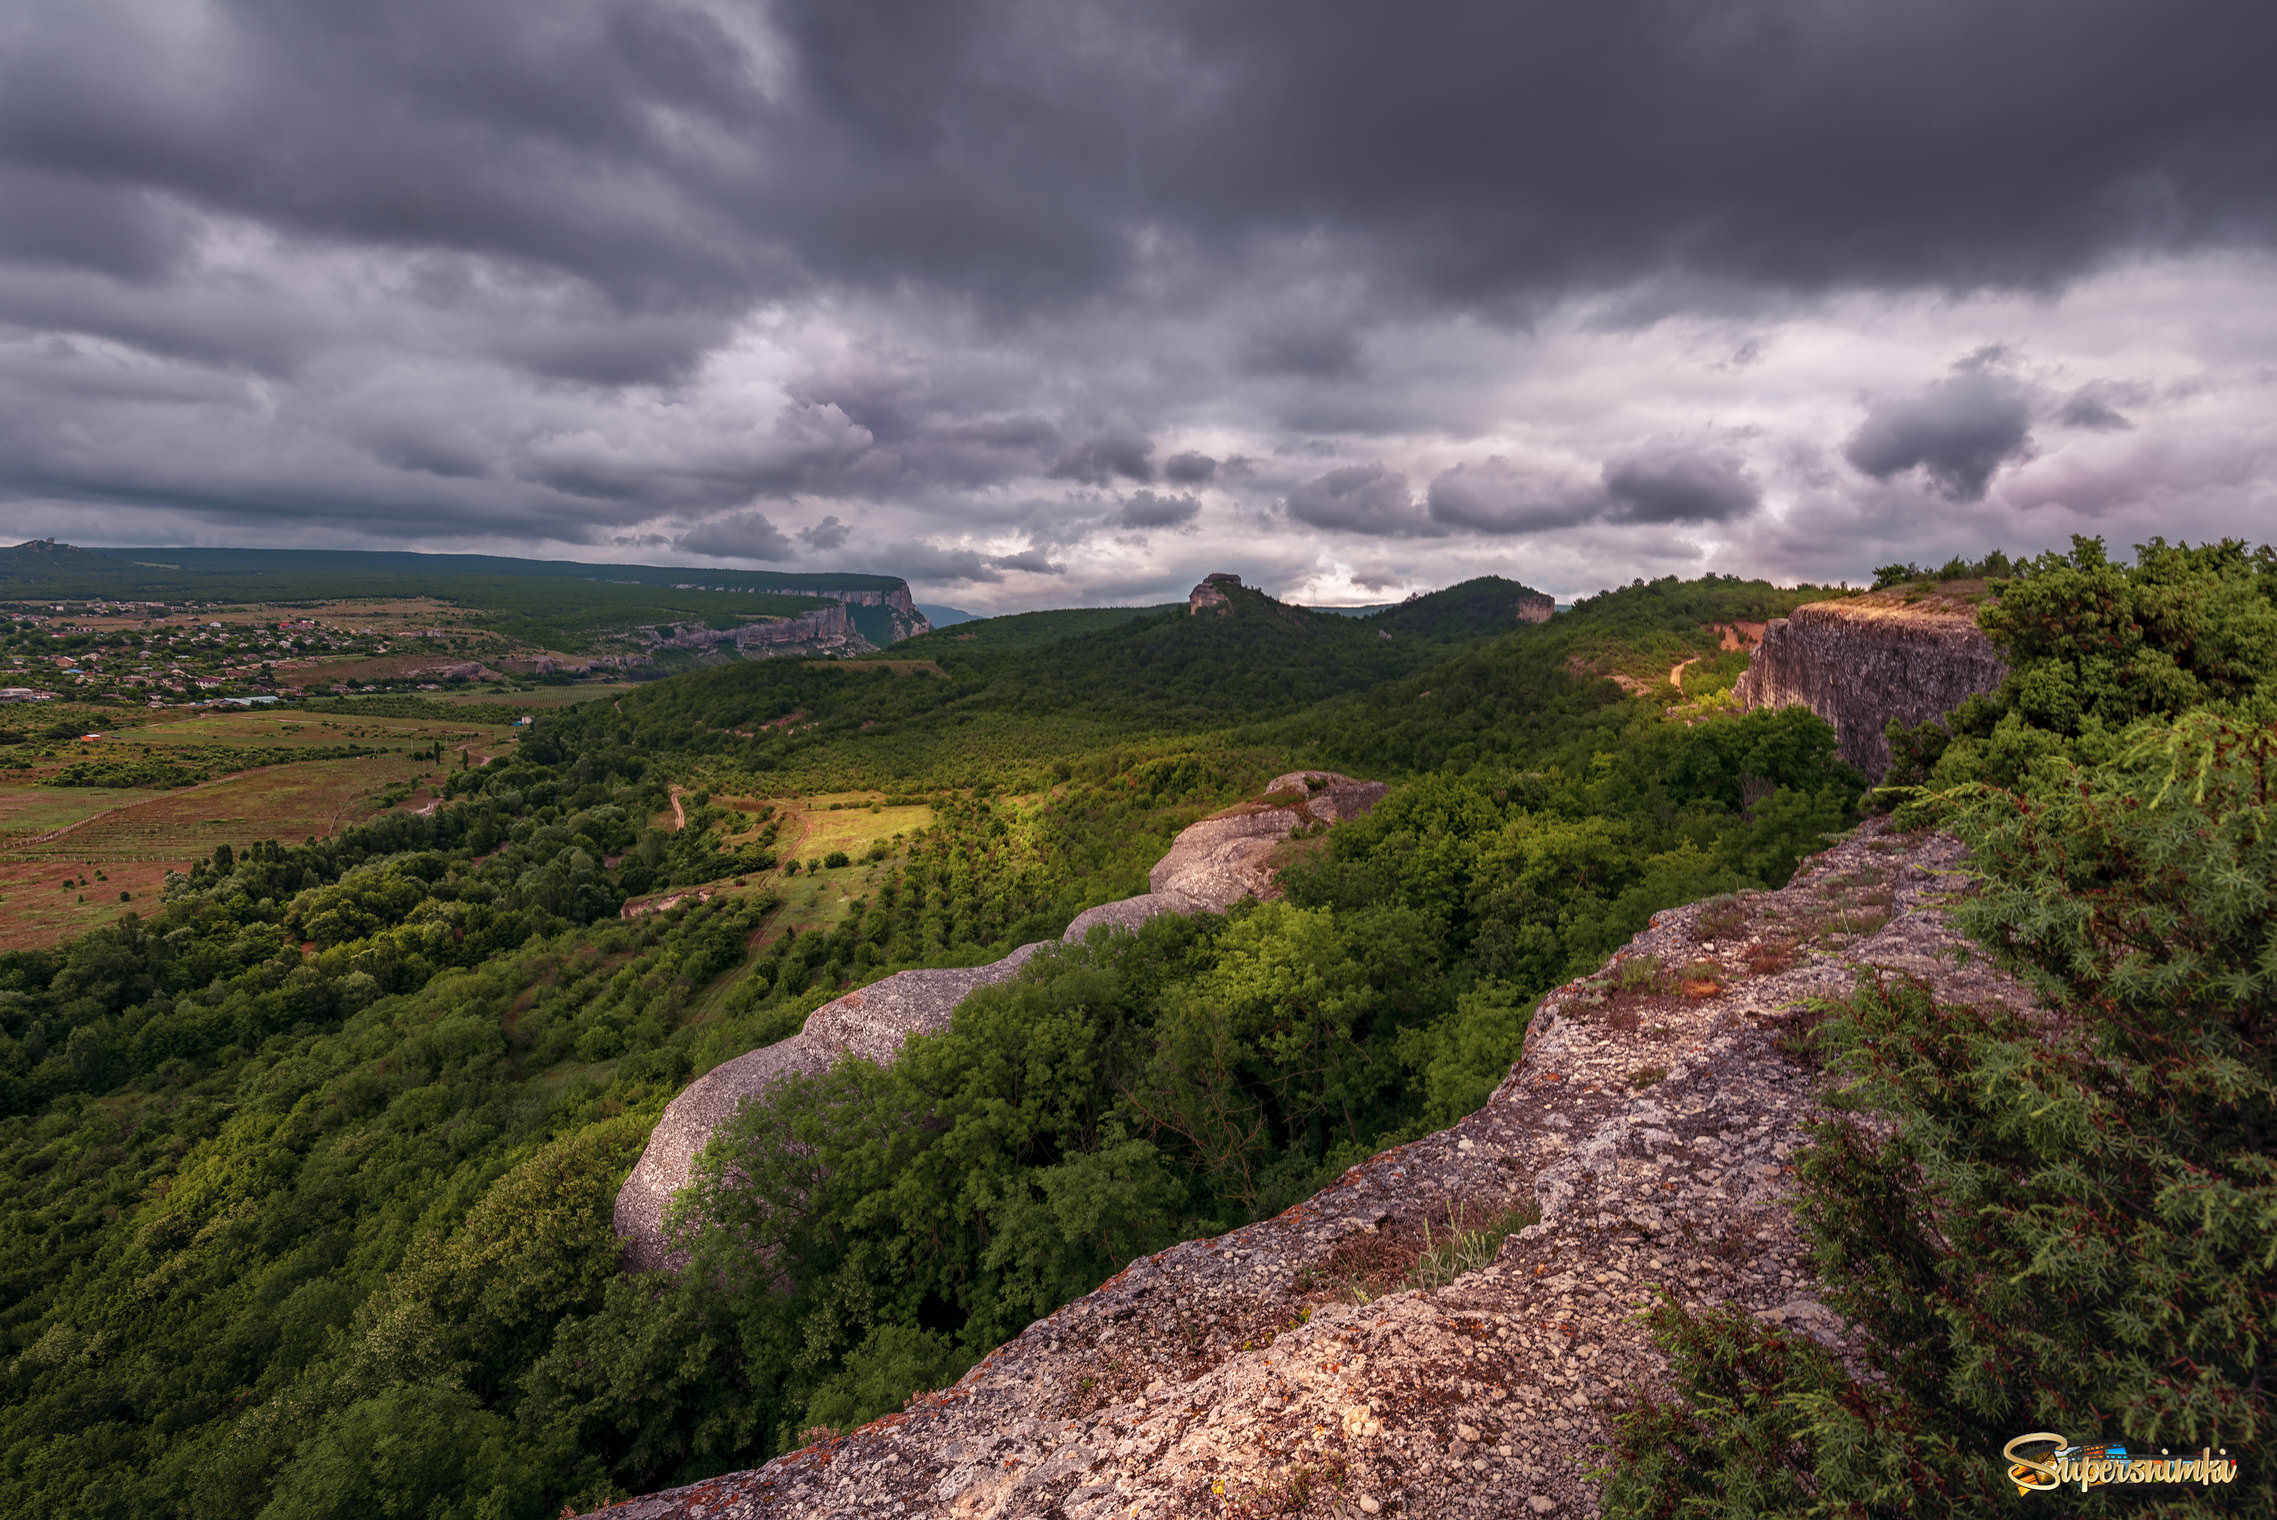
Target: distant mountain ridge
<point>855,609</point>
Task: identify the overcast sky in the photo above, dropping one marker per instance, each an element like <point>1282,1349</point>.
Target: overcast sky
<point>1053,303</point>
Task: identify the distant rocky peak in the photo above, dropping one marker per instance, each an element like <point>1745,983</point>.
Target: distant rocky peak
<point>1210,593</point>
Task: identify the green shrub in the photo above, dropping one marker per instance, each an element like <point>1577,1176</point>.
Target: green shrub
<point>2060,1226</point>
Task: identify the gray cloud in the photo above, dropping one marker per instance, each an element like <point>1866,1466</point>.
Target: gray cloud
<point>2092,408</point>
<point>1959,431</point>
<point>825,535</point>
<point>742,535</point>
<point>1315,353</point>
<point>1033,560</point>
<point>1672,484</point>
<point>1189,468</point>
<point>1145,509</point>
<point>1497,495</point>
<point>929,564</point>
<point>1103,459</point>
<point>1360,498</point>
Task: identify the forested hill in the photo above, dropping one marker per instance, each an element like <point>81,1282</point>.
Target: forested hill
<point>1014,710</point>
<point>1473,609</point>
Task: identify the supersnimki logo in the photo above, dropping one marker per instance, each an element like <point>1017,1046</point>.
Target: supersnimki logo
<point>2044,1460</point>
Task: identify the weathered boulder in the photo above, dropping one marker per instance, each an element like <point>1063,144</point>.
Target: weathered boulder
<point>1861,662</point>
<point>1219,861</point>
<point>1210,867</point>
<point>871,1023</point>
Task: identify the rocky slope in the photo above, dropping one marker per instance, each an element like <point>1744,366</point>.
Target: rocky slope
<point>1861,662</point>
<point>1650,1122</point>
<point>1210,866</point>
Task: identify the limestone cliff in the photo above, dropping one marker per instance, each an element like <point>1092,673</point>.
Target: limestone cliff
<point>1860,662</point>
<point>1652,1128</point>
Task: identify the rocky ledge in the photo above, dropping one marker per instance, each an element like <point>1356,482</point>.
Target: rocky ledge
<point>1211,865</point>
<point>1285,1369</point>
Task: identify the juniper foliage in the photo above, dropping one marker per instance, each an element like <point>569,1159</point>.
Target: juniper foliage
<point>2059,1221</point>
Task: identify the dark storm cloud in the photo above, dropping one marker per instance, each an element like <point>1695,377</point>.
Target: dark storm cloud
<point>743,535</point>
<point>1145,509</point>
<point>1034,560</point>
<point>1498,496</point>
<point>1320,354</point>
<point>565,220</point>
<point>1679,485</point>
<point>1105,458</point>
<point>930,564</point>
<point>74,222</point>
<point>924,436</point>
<point>825,535</point>
<point>1360,498</point>
<point>676,160</point>
<point>1959,431</point>
<point>1470,149</point>
<point>430,452</point>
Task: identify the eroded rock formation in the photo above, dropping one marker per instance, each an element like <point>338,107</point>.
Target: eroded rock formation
<point>1211,866</point>
<point>1861,662</point>
<point>1210,594</point>
<point>1651,1128</point>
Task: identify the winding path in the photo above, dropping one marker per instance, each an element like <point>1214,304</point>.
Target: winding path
<point>1211,866</point>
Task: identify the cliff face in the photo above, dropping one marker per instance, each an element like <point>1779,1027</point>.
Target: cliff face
<point>1652,1131</point>
<point>1862,662</point>
<point>905,622</point>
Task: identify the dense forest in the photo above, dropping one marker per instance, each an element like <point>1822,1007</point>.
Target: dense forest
<point>309,1169</point>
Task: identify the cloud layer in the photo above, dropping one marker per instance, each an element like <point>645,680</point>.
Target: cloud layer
<point>1046,302</point>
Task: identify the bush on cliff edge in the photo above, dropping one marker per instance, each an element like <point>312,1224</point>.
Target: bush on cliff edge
<point>2065,1225</point>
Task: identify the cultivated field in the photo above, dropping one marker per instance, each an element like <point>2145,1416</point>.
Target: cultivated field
<point>810,828</point>
<point>68,853</point>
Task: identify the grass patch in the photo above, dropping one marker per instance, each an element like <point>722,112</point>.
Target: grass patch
<point>1720,918</point>
<point>1450,1253</point>
<point>1638,973</point>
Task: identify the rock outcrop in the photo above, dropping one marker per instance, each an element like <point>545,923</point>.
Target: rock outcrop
<point>1652,1130</point>
<point>1211,866</point>
<point>1861,662</point>
<point>1210,595</point>
<point>1534,607</point>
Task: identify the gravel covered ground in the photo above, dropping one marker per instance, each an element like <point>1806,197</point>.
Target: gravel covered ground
<point>1650,1123</point>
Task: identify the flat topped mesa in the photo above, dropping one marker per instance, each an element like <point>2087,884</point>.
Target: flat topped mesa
<point>1211,593</point>
<point>1211,866</point>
